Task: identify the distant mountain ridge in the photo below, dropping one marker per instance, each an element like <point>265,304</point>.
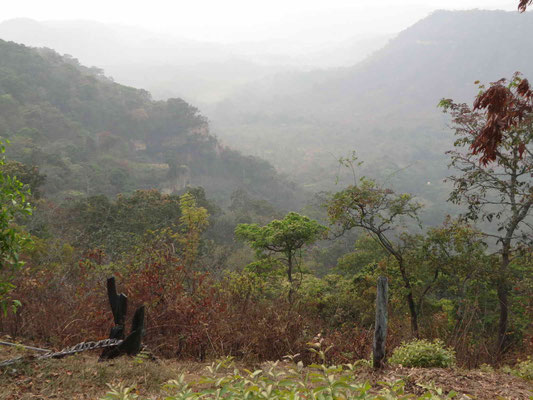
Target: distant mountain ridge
<point>386,102</point>
<point>167,66</point>
<point>440,56</point>
<point>384,108</point>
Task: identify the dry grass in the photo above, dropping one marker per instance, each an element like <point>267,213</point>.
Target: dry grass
<point>83,377</point>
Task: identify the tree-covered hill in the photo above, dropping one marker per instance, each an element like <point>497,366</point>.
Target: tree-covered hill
<point>90,135</point>
<point>385,107</point>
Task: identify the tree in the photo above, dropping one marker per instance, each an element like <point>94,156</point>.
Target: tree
<point>379,211</point>
<point>194,220</point>
<point>498,194</point>
<point>448,261</point>
<point>282,239</point>
<point>12,239</point>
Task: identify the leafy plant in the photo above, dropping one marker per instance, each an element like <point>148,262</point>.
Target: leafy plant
<point>423,354</point>
<point>523,369</point>
<point>222,380</point>
<point>120,392</point>
<point>13,240</point>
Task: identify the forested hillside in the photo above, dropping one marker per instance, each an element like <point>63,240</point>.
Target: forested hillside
<point>370,277</point>
<point>89,135</point>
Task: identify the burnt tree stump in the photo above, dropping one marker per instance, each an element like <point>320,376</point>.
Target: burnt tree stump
<point>132,344</point>
<point>119,307</point>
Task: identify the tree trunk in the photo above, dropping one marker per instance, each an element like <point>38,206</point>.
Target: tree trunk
<point>410,300</point>
<point>289,275</point>
<point>503,301</point>
<point>412,311</point>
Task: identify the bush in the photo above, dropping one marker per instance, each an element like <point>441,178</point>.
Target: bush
<point>523,369</point>
<point>423,354</point>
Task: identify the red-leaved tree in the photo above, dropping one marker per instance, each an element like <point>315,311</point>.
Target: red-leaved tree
<point>493,156</point>
<point>506,107</point>
<point>505,110</point>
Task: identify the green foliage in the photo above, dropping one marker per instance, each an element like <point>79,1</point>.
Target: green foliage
<point>182,238</point>
<point>382,214</point>
<point>494,178</point>
<point>340,300</point>
<point>120,392</point>
<point>222,380</point>
<point>116,225</point>
<point>366,253</point>
<point>369,206</point>
<point>193,221</point>
<point>282,239</point>
<point>281,236</point>
<point>12,239</point>
<point>29,176</point>
<point>523,369</point>
<point>92,136</point>
<point>423,354</point>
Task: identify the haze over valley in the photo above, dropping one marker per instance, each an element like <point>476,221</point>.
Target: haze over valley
<point>345,186</point>
<point>303,108</point>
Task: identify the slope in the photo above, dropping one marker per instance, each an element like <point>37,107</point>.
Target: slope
<point>91,135</point>
<point>384,107</point>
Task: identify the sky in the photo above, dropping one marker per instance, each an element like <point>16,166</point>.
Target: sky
<point>250,20</point>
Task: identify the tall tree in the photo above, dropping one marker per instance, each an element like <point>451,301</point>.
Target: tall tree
<point>282,239</point>
<point>380,212</point>
<point>499,194</point>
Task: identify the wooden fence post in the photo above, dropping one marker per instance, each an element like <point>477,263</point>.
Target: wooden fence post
<point>380,333</point>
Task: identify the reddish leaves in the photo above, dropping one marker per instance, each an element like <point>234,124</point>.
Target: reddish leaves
<point>522,6</point>
<point>506,107</point>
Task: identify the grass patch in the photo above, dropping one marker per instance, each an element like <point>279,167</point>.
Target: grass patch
<point>82,377</point>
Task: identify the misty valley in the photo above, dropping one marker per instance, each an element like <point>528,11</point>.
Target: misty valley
<point>245,198</point>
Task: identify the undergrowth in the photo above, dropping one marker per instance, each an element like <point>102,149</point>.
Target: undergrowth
<point>222,380</point>
<point>423,354</point>
<point>523,369</point>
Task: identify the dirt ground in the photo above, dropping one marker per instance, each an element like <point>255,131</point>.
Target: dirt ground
<point>474,383</point>
<point>83,377</point>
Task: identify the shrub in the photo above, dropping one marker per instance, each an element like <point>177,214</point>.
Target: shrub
<point>523,369</point>
<point>423,354</point>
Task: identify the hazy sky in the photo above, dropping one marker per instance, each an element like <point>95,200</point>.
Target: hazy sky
<point>250,20</point>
